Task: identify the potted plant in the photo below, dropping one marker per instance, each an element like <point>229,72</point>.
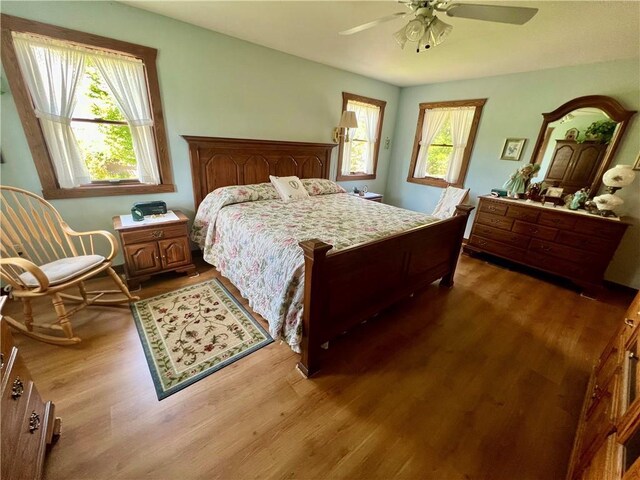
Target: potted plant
<point>601,130</point>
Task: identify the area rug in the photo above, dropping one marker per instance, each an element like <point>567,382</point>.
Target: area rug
<point>192,332</point>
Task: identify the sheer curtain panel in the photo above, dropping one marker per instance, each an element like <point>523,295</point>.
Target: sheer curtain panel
<point>433,120</point>
<point>127,80</point>
<point>52,71</point>
<point>371,114</point>
<point>461,120</point>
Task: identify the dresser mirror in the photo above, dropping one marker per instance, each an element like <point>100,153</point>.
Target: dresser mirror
<point>577,142</point>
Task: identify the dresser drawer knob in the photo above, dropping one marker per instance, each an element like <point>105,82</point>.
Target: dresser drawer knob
<point>633,356</point>
<point>17,388</point>
<point>157,234</point>
<point>544,248</point>
<point>34,422</point>
<point>493,209</point>
<point>533,230</point>
<point>482,242</point>
<point>628,322</point>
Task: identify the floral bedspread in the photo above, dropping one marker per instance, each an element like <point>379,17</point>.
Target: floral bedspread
<point>252,239</point>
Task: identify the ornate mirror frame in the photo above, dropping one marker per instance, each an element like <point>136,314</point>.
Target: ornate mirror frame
<point>610,106</point>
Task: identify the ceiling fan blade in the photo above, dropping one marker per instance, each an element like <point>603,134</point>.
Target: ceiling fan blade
<point>368,25</point>
<point>491,13</point>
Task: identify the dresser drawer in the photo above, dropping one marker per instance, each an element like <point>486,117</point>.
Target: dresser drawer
<point>608,229</point>
<point>489,206</point>
<point>151,234</point>
<point>501,235</point>
<point>558,220</point>
<point>522,213</point>
<point>538,231</point>
<point>594,244</point>
<point>495,221</point>
<point>497,248</point>
<point>15,394</point>
<point>564,268</point>
<point>31,439</point>
<point>565,253</point>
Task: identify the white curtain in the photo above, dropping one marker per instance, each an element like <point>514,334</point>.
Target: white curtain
<point>367,116</point>
<point>461,120</point>
<point>127,80</point>
<point>433,120</point>
<point>52,71</point>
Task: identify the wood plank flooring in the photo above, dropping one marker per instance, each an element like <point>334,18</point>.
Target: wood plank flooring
<point>482,381</point>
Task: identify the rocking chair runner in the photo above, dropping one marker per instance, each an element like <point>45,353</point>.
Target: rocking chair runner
<point>42,255</point>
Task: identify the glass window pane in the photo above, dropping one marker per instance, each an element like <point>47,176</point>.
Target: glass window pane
<point>443,136</point>
<point>107,150</point>
<point>438,161</point>
<point>357,157</point>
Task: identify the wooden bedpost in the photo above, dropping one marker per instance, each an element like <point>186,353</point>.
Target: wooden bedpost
<point>315,253</point>
<point>461,211</point>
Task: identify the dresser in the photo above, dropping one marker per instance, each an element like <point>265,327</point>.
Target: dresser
<point>155,248</point>
<point>574,245</point>
<point>607,442</point>
<point>28,424</point>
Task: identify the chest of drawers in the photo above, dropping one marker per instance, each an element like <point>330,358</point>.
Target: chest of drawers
<point>27,422</point>
<point>575,246</point>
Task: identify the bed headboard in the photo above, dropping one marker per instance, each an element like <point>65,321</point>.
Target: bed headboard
<point>219,162</point>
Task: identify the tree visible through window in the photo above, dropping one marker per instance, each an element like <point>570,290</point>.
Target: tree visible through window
<point>102,131</point>
<point>358,157</point>
<point>444,139</point>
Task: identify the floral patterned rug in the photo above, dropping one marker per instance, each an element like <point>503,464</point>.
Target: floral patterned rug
<point>190,333</point>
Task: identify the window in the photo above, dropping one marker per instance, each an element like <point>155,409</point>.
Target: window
<point>443,143</point>
<point>358,157</point>
<point>91,110</point>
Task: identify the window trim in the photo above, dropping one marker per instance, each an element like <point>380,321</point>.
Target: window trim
<point>441,182</point>
<point>35,138</point>
<point>381,104</point>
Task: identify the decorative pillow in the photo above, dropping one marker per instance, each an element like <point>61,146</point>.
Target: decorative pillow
<point>289,188</point>
<point>321,186</point>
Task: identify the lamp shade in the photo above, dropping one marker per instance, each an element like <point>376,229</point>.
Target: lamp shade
<point>438,32</point>
<point>619,176</point>
<point>348,120</point>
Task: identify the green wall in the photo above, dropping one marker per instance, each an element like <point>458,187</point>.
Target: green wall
<point>513,109</point>
<point>211,85</point>
<point>215,85</point>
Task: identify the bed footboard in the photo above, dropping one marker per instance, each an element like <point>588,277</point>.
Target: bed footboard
<point>336,298</point>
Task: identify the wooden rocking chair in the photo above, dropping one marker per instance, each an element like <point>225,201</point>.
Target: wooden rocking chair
<point>41,255</point>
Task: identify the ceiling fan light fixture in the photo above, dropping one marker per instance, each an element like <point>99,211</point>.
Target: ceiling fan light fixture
<point>415,29</point>
<point>400,37</point>
<point>438,31</point>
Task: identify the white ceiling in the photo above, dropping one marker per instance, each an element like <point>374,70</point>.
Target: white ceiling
<point>562,33</point>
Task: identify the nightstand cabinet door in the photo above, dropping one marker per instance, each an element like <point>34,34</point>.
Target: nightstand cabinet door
<point>174,252</point>
<point>142,258</point>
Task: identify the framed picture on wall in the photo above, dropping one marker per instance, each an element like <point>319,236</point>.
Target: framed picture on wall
<point>636,166</point>
<point>512,149</point>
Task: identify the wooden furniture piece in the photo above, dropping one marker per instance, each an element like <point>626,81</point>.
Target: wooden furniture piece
<point>374,197</point>
<point>333,300</point>
<point>574,245</point>
<point>607,443</point>
<point>574,165</point>
<point>28,424</point>
<point>43,256</point>
<point>155,248</point>
<point>613,110</point>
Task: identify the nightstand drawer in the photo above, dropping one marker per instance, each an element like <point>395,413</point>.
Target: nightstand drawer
<point>154,233</point>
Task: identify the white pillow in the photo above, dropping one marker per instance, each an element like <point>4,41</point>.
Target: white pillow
<point>289,188</point>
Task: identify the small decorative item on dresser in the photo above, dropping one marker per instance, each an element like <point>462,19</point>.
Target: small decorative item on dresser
<point>615,178</point>
<point>519,181</point>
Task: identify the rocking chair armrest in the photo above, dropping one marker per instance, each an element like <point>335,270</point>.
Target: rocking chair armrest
<point>108,235</point>
<point>27,266</point>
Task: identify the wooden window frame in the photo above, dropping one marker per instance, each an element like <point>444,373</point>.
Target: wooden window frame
<point>35,138</point>
<point>441,182</point>
<point>381,104</point>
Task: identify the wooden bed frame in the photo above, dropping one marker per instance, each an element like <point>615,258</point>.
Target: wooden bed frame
<point>335,298</point>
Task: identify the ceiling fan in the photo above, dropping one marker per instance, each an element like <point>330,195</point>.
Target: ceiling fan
<point>429,31</point>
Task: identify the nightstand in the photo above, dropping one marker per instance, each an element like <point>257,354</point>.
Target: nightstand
<point>155,247</point>
<point>374,197</point>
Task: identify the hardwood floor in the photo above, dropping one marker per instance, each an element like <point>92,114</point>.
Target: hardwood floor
<point>482,381</point>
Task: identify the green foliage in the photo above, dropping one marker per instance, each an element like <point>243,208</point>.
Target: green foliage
<point>113,158</point>
<point>440,151</point>
<point>602,129</point>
